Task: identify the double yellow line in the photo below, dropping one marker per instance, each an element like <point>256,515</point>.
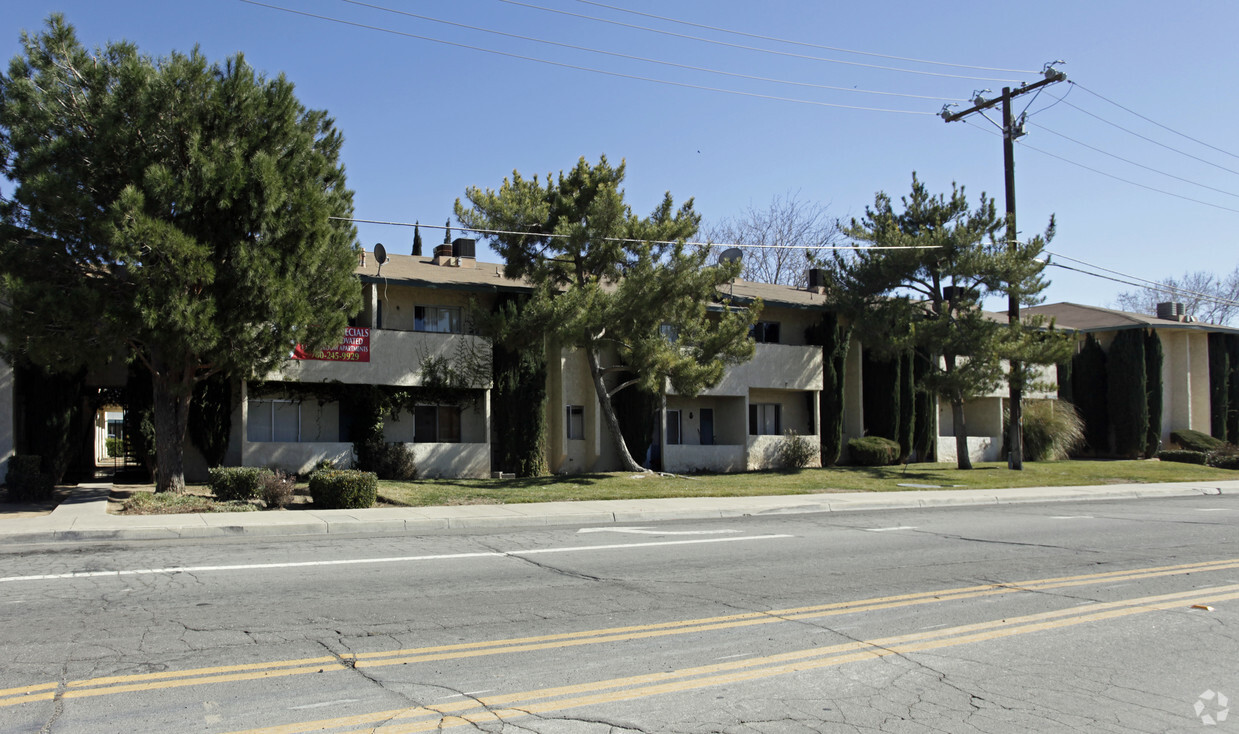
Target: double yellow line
<point>516,705</point>
<point>103,686</point>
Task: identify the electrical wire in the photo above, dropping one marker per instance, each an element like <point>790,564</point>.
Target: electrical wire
<point>1129,181</point>
<point>1155,287</point>
<point>575,67</point>
<point>1138,165</point>
<point>1144,282</point>
<point>797,43</point>
<point>1155,122</point>
<point>754,48</point>
<point>647,59</point>
<point>1145,138</point>
<point>625,239</point>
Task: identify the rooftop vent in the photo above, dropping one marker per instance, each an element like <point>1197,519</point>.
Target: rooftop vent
<point>1171,311</point>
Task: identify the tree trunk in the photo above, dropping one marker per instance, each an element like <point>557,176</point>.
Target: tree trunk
<point>172,395</point>
<point>963,460</point>
<point>608,413</point>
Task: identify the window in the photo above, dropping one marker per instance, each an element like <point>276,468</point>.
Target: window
<point>436,424</point>
<point>670,332</point>
<point>765,332</point>
<point>765,419</point>
<point>274,420</point>
<point>674,432</point>
<point>576,422</point>
<point>439,319</point>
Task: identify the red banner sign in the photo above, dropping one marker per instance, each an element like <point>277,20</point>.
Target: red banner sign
<point>354,348</point>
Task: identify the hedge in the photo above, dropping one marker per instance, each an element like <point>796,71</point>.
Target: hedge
<point>234,483</point>
<point>1183,457</point>
<point>1196,441</point>
<point>873,451</point>
<point>344,489</point>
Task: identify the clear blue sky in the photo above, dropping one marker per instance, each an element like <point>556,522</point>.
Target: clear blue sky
<point>423,120</point>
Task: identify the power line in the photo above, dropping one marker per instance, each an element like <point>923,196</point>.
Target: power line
<point>644,58</point>
<point>1131,162</point>
<point>1145,138</point>
<point>1108,175</point>
<point>753,48</point>
<point>625,239</point>
<point>575,67</point>
<point>798,43</point>
<point>1155,287</point>
<point>1155,122</point>
<point>1144,282</point>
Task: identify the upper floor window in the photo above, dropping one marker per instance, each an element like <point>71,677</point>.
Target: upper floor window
<point>766,332</point>
<point>670,332</point>
<point>440,319</point>
<point>576,422</point>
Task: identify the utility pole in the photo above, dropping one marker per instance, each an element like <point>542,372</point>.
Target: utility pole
<point>1010,131</point>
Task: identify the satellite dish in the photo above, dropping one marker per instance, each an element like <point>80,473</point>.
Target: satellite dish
<point>730,255</point>
<point>380,253</point>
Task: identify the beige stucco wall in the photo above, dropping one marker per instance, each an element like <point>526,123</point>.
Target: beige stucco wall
<point>569,383</point>
<point>984,423</point>
<point>1185,381</point>
<point>398,303</point>
<point>792,322</point>
<point>471,460</point>
<point>396,358</point>
<point>781,366</point>
<point>473,426</point>
<point>730,418</point>
<point>798,408</point>
<point>297,458</point>
<point>686,459</point>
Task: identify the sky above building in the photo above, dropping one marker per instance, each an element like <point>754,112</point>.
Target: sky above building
<point>734,103</point>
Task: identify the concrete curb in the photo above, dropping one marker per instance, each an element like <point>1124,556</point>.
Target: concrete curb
<point>85,518</point>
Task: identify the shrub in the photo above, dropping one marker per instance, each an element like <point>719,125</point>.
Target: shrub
<point>1183,456</point>
<point>1052,430</point>
<point>795,452</point>
<point>234,483</point>
<point>344,489</point>
<point>387,460</point>
<point>275,488</point>
<point>1224,457</point>
<point>873,451</point>
<point>26,479</point>
<point>1196,441</point>
<point>116,447</point>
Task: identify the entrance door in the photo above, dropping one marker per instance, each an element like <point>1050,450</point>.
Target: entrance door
<point>707,426</point>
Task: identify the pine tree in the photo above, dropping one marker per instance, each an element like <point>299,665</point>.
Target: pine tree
<point>187,224</point>
<point>606,280</point>
<point>922,285</point>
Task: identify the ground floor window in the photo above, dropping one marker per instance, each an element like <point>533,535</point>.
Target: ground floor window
<point>436,424</point>
<point>274,420</point>
<point>765,419</point>
<point>576,422</point>
<point>674,427</point>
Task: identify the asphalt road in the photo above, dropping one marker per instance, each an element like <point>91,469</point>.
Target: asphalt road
<point>1050,617</point>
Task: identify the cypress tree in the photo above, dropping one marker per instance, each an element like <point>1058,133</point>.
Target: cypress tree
<point>1127,393</point>
<point>1153,356</point>
<point>1219,385</point>
<point>417,241</point>
<point>834,340</point>
<point>907,403</point>
<point>1063,371</point>
<point>1232,382</point>
<point>1088,378</point>
<point>925,437</point>
<point>881,395</point>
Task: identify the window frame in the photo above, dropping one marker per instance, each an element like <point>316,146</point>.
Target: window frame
<point>579,412</point>
<point>251,403</point>
<point>679,427</point>
<point>454,319</point>
<point>758,419</point>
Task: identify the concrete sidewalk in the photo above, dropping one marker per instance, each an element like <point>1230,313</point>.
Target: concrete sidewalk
<point>84,516</point>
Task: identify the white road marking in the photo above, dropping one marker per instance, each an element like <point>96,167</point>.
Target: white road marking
<point>322,704</point>
<point>651,531</point>
<point>883,530</point>
<point>1215,509</point>
<point>465,694</point>
<point>732,657</point>
<point>1071,517</point>
<point>364,561</point>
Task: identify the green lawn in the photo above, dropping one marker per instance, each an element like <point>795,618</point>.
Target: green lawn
<point>624,485</point>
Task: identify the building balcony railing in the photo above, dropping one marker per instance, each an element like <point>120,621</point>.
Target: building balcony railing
<point>400,358</point>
